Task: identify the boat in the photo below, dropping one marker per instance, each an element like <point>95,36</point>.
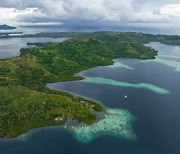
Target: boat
<point>125,96</point>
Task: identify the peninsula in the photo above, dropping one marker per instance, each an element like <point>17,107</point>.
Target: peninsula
<point>26,102</point>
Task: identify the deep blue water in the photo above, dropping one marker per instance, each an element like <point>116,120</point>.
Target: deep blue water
<point>157,125</point>
<point>58,141</point>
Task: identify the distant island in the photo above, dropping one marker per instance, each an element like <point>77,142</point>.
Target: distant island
<point>6,27</point>
<point>26,102</point>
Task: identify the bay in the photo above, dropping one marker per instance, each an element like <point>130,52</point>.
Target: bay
<point>157,115</point>
<point>157,127</point>
<point>10,47</point>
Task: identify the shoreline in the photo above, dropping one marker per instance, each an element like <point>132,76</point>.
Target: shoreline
<point>146,53</point>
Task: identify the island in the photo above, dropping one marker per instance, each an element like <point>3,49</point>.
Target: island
<point>126,36</point>
<point>6,27</point>
<point>26,102</point>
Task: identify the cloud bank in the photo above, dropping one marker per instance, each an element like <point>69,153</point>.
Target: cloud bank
<point>62,11</point>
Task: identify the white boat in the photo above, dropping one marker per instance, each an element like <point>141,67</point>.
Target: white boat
<point>125,97</point>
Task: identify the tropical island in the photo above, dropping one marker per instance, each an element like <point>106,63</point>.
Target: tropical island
<point>26,102</point>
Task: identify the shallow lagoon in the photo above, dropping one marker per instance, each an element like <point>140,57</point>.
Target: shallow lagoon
<point>156,126</point>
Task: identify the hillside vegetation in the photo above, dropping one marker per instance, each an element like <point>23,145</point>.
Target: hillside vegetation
<point>26,102</point>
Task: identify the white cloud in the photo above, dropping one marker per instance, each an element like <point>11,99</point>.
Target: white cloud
<point>125,11</point>
<point>10,15</point>
<point>172,10</point>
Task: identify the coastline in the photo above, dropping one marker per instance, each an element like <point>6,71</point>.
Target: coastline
<point>92,41</point>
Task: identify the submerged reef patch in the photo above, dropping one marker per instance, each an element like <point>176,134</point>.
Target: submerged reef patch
<point>168,56</point>
<point>120,65</point>
<point>166,62</point>
<point>100,80</point>
<point>116,122</point>
<point>171,63</point>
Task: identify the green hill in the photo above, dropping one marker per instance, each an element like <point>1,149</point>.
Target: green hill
<point>26,102</point>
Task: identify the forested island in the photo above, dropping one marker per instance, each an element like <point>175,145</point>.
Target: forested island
<point>126,36</point>
<point>26,102</point>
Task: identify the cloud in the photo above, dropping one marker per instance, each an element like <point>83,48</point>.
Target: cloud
<point>172,10</point>
<point>121,11</point>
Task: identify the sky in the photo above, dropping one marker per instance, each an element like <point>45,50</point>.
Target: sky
<point>49,12</point>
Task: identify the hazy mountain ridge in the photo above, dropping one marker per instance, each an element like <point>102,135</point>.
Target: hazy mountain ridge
<point>6,27</point>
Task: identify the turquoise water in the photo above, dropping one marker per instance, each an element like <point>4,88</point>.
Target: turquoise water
<point>116,122</point>
<point>99,80</point>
